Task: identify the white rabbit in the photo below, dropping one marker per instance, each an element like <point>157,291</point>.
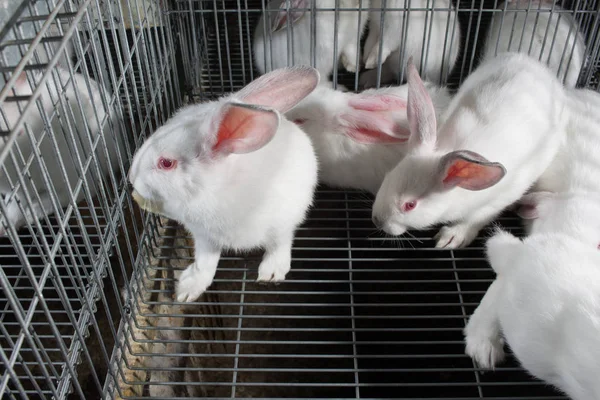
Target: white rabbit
<point>549,36</point>
<point>545,301</point>
<point>77,114</point>
<point>272,38</point>
<point>235,173</point>
<point>501,131</point>
<point>438,27</point>
<point>342,126</point>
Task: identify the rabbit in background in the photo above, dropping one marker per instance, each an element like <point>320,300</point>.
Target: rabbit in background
<point>81,120</point>
<point>546,32</point>
<point>431,37</point>
<point>359,137</point>
<point>275,28</point>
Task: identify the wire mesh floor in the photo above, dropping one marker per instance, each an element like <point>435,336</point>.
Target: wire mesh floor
<point>360,315</point>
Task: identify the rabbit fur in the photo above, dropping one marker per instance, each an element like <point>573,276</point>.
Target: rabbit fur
<point>235,172</point>
<point>575,166</point>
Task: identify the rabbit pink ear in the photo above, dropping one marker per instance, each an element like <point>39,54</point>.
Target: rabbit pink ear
<point>377,102</point>
<point>244,128</point>
<point>284,16</point>
<point>372,127</point>
<point>420,112</point>
<point>469,170</point>
<point>281,89</point>
<point>529,204</point>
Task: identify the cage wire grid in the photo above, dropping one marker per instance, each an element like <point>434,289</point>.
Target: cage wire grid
<point>58,274</point>
<point>360,315</point>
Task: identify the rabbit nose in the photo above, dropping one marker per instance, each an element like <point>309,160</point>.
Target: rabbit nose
<point>378,222</point>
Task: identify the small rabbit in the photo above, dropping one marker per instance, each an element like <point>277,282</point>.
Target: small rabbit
<point>545,32</point>
<point>545,302</point>
<point>320,36</point>
<point>342,126</point>
<point>235,173</point>
<point>76,126</point>
<point>486,155</point>
<point>432,37</point>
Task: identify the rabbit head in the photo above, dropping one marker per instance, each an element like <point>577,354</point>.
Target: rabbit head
<point>197,151</point>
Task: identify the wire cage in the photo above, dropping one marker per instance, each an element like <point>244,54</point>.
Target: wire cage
<point>87,308</point>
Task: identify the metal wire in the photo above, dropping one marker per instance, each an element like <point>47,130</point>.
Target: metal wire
<point>86,308</point>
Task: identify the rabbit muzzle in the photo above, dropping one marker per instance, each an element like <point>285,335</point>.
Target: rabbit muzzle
<point>152,206</point>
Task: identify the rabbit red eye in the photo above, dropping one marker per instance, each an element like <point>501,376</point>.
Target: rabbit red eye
<point>299,121</point>
<point>166,163</point>
<point>409,206</point>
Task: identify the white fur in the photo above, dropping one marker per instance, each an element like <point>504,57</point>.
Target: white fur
<point>267,43</point>
<point>576,166</point>
<point>551,37</point>
<point>546,302</point>
<point>240,201</point>
<point>575,169</point>
<point>571,213</point>
<point>442,35</point>
<point>344,162</point>
<point>71,117</point>
<point>510,111</point>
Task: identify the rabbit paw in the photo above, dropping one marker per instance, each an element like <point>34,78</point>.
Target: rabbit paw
<point>373,59</point>
<point>192,283</point>
<point>455,236</point>
<point>272,271</point>
<point>348,62</point>
<point>486,350</point>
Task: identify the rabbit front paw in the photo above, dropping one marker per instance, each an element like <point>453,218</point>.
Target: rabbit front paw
<point>276,262</point>
<point>272,271</point>
<point>192,283</point>
<point>485,350</point>
<point>455,236</point>
<point>373,59</point>
<point>349,62</point>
